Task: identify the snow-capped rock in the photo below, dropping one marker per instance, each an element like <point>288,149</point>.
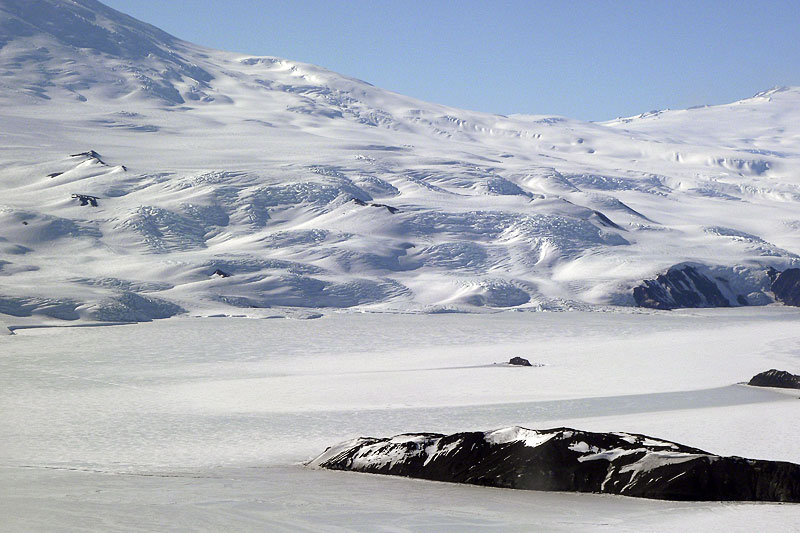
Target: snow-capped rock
<point>776,378</point>
<point>564,459</point>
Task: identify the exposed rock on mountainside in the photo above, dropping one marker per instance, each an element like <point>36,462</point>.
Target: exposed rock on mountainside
<point>86,199</point>
<point>565,459</point>
<point>681,286</point>
<point>696,285</point>
<point>786,286</point>
<point>776,378</point>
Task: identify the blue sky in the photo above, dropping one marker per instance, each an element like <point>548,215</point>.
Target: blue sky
<point>592,60</point>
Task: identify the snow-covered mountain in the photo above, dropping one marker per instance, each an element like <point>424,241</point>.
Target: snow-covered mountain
<point>308,189</point>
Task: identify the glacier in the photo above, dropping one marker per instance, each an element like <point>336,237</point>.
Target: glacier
<point>271,170</point>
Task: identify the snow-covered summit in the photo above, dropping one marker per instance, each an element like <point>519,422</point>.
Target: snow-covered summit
<point>64,47</point>
<point>312,189</point>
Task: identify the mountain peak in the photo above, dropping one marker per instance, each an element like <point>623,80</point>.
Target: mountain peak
<point>48,30</point>
<point>86,24</point>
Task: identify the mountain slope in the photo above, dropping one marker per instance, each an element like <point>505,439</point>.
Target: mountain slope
<point>311,189</point>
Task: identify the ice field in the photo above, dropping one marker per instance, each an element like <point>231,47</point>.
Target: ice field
<point>205,423</point>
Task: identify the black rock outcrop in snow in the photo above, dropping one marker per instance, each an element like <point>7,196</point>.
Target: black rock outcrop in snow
<point>565,459</point>
<point>519,361</point>
<point>86,199</point>
<point>776,378</point>
<point>786,286</point>
<point>389,208</point>
<point>681,286</point>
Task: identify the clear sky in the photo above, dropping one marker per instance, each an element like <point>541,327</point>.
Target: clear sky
<point>592,60</point>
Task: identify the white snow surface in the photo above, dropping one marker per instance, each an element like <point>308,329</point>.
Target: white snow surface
<point>204,423</point>
<point>530,437</point>
<point>214,160</point>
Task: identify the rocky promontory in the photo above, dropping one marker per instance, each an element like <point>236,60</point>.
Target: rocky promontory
<point>564,459</point>
<point>776,378</point>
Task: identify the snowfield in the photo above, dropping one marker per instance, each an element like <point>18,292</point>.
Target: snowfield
<point>204,423</point>
<point>303,258</point>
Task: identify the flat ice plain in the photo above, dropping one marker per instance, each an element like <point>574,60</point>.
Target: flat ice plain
<point>204,423</point>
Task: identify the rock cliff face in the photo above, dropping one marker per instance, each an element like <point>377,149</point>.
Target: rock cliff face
<point>697,285</point>
<point>786,286</point>
<point>565,459</point>
<point>681,286</point>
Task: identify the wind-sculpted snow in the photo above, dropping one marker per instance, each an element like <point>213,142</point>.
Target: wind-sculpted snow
<point>492,293</point>
<point>375,186</point>
<point>459,255</point>
<point>31,227</point>
<point>276,289</point>
<point>299,238</point>
<point>248,265</point>
<point>132,307</point>
<point>165,231</point>
<point>123,285</point>
<point>305,184</point>
<point>315,194</point>
<point>47,307</point>
<point>752,243</point>
<point>648,184</point>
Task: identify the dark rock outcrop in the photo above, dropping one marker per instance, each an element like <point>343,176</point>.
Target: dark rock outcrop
<point>389,208</point>
<point>776,378</point>
<point>786,286</point>
<point>86,199</point>
<point>91,154</point>
<point>220,273</point>
<point>604,220</point>
<point>681,286</point>
<point>694,285</point>
<point>565,459</point>
<point>519,361</point>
